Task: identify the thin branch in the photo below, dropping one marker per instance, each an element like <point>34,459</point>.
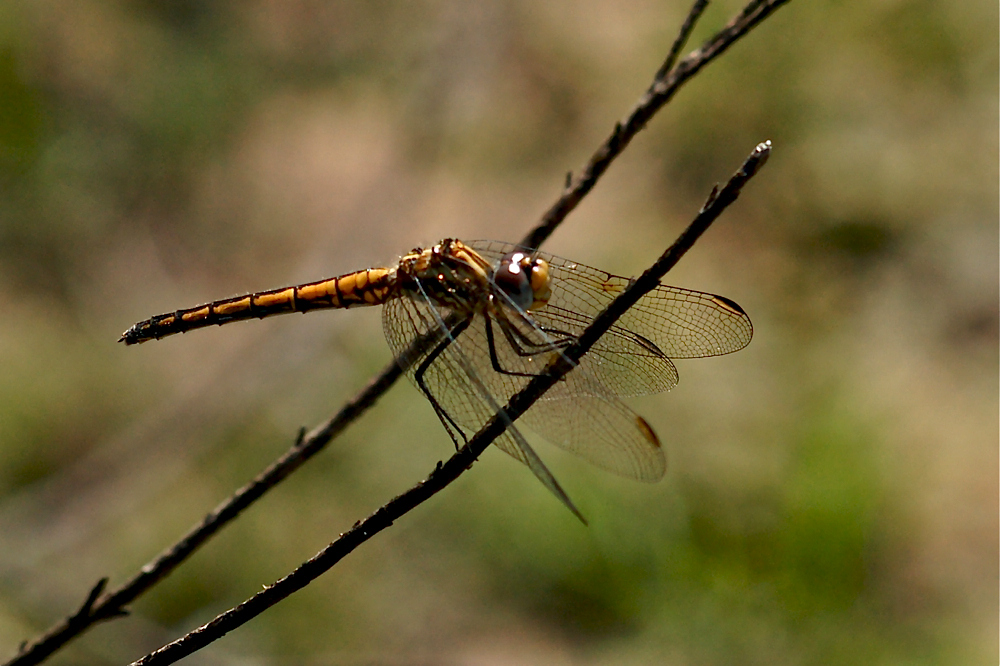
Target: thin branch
<point>693,15</point>
<point>661,91</point>
<point>463,459</point>
<point>113,604</point>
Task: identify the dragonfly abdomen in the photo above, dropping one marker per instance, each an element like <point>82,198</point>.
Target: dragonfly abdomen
<point>372,286</point>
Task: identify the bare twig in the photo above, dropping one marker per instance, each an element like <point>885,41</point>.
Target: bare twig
<point>661,91</point>
<point>112,604</point>
<point>463,459</point>
<point>693,15</point>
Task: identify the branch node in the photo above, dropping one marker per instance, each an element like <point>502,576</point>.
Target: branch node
<point>616,134</point>
<point>712,196</point>
<point>693,15</point>
<point>87,607</point>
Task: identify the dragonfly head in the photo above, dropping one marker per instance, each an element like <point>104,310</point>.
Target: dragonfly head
<point>524,279</point>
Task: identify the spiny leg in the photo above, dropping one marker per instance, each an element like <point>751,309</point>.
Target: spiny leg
<point>450,425</point>
<point>562,339</point>
<point>511,332</point>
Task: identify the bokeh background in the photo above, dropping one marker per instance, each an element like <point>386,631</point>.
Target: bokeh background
<point>832,490</point>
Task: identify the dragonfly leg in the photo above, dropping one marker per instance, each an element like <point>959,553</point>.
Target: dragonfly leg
<point>520,343</point>
<point>556,339</point>
<point>450,425</point>
<point>494,359</point>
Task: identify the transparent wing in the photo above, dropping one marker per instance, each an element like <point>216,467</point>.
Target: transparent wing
<point>602,431</point>
<point>626,363</point>
<point>428,362</point>
<point>579,414</point>
<point>681,323</point>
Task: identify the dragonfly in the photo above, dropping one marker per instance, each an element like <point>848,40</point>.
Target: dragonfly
<point>473,321</point>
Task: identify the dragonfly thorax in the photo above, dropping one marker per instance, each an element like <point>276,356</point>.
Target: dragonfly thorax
<point>449,274</point>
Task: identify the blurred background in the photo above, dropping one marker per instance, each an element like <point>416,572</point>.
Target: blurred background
<point>832,490</point>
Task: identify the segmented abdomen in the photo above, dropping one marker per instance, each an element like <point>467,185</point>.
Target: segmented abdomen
<point>368,287</point>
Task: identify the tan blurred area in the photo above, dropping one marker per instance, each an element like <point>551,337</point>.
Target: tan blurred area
<point>832,490</point>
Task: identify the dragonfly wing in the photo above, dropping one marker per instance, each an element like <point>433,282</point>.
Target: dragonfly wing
<point>625,362</point>
<point>459,399</point>
<point>688,324</point>
<point>682,323</point>
<point>597,427</point>
<point>578,414</point>
<point>513,442</point>
<point>448,385</point>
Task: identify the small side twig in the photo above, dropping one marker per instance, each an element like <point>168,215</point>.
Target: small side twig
<point>463,459</point>
<point>693,15</point>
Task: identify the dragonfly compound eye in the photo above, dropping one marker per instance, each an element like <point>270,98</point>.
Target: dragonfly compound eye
<point>524,280</point>
<point>514,281</point>
<point>541,289</point>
